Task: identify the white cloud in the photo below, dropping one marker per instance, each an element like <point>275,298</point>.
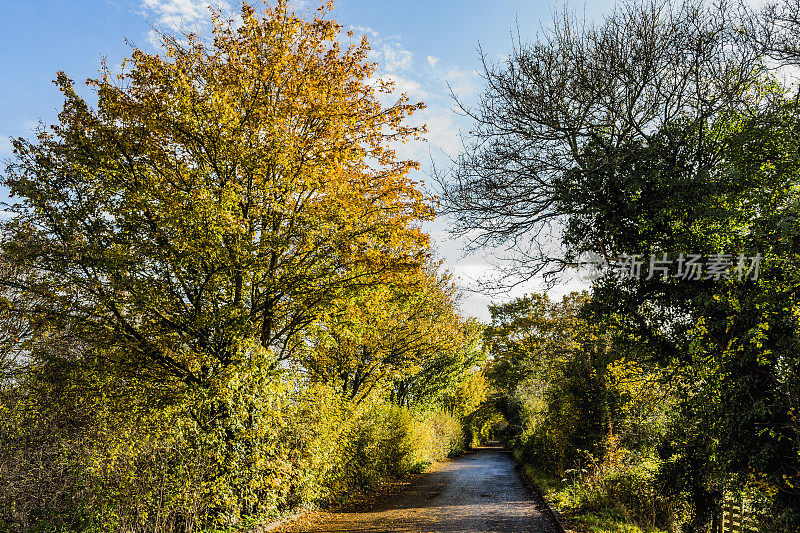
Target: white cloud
<point>442,130</point>
<point>190,15</point>
<point>299,5</point>
<point>395,57</point>
<point>387,51</point>
<point>426,80</point>
<point>176,12</point>
<point>464,84</point>
<point>476,305</point>
<point>402,84</point>
<point>154,39</point>
<point>472,273</point>
<point>366,30</point>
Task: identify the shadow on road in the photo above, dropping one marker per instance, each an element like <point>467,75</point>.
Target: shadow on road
<point>477,492</point>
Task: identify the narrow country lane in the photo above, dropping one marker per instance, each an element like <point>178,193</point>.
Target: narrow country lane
<point>478,492</point>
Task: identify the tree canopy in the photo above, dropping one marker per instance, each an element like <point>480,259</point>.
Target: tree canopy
<point>227,190</point>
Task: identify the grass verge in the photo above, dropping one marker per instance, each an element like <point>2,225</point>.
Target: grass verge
<point>581,509</point>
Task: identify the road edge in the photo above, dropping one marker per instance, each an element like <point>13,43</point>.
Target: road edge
<point>534,489</point>
<point>382,491</point>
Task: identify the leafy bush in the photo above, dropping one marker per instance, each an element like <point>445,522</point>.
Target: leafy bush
<point>619,493</point>
<point>256,444</point>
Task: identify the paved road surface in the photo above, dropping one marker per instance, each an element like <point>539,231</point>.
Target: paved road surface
<point>477,492</point>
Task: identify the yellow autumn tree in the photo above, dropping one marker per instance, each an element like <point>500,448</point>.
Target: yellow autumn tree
<point>184,232</point>
<point>384,335</point>
<point>220,195</point>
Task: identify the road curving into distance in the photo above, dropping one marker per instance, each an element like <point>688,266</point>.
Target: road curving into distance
<point>478,492</point>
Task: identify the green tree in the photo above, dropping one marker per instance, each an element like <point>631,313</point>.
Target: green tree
<point>548,369</point>
<point>660,132</point>
<point>407,341</point>
<point>593,106</point>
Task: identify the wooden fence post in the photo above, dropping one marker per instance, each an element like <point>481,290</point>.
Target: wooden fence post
<point>735,518</point>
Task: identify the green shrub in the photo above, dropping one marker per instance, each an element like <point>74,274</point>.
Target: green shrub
<point>260,442</point>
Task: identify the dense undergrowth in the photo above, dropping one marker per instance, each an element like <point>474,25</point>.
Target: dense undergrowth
<point>620,502</point>
<point>613,443</point>
<point>88,466</point>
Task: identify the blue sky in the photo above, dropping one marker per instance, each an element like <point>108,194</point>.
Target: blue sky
<point>422,45</point>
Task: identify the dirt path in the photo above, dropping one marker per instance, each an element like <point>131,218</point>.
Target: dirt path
<point>477,492</point>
